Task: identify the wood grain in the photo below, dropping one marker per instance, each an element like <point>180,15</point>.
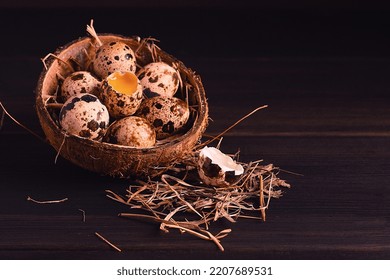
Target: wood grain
<point>328,119</point>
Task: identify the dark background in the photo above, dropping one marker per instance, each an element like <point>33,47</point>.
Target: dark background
<point>322,68</point>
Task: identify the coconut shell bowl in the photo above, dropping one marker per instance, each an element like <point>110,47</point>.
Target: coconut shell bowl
<point>105,157</point>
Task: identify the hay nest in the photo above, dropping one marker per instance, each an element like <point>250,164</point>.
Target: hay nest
<point>180,199</point>
<point>112,159</point>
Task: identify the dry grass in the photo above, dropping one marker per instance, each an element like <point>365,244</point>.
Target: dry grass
<point>179,192</point>
<point>46,201</point>
<point>108,242</point>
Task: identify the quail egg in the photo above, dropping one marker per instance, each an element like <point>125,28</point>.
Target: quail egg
<point>79,82</point>
<point>122,94</point>
<point>167,115</point>
<point>159,79</point>
<point>84,115</point>
<point>131,131</point>
<point>112,57</point>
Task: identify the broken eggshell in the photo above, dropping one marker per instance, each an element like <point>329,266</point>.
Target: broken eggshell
<point>218,169</point>
<point>122,94</point>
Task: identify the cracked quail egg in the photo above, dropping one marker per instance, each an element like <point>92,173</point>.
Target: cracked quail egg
<point>84,115</point>
<point>131,131</point>
<point>167,115</point>
<point>112,57</point>
<point>79,82</point>
<point>159,79</point>
<point>122,94</point>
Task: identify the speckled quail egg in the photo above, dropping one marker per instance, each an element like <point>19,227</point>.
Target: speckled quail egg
<point>159,79</point>
<point>84,115</point>
<point>131,131</point>
<point>79,82</point>
<point>166,114</point>
<point>122,94</point>
<point>218,169</point>
<point>112,57</point>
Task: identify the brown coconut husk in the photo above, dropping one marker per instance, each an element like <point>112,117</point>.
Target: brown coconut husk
<point>106,158</point>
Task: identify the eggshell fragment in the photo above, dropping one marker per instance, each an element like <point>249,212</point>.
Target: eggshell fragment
<point>159,79</point>
<point>131,131</point>
<point>218,169</point>
<point>83,115</point>
<point>167,115</point>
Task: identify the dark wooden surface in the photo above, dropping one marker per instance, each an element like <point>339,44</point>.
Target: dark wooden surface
<point>323,73</point>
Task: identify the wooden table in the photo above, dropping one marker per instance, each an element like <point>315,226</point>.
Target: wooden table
<point>325,77</point>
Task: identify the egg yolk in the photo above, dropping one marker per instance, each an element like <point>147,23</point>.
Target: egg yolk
<point>125,83</point>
